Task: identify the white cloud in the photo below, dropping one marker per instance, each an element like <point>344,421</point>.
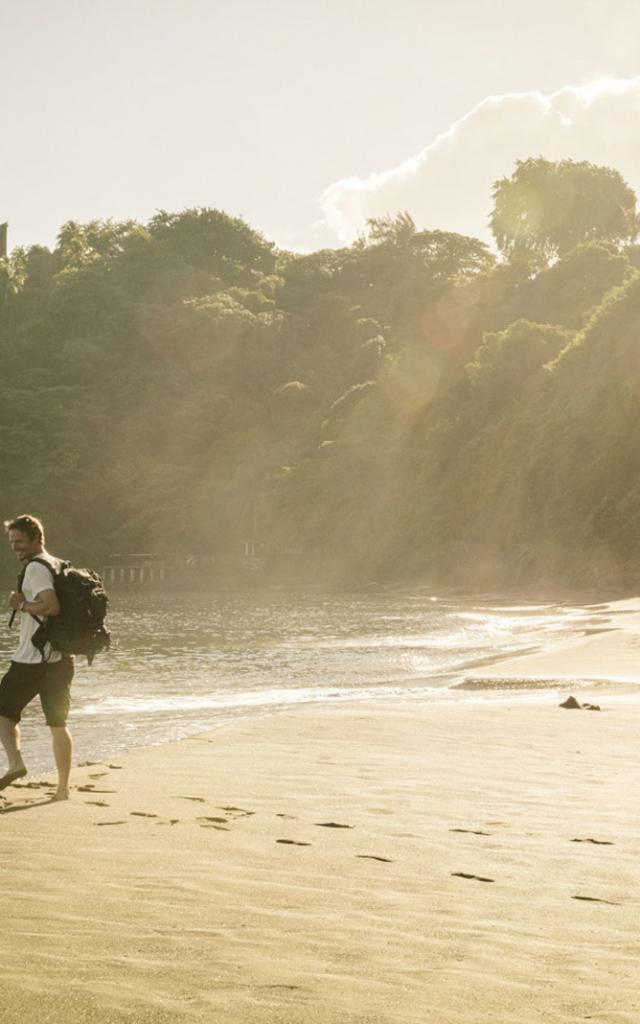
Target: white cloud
<point>448,184</point>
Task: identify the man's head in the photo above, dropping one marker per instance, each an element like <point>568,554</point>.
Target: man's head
<point>26,536</point>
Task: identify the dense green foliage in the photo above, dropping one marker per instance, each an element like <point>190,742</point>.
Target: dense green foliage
<point>408,407</point>
<point>546,209</point>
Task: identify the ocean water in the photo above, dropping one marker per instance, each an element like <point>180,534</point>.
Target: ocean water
<point>184,663</point>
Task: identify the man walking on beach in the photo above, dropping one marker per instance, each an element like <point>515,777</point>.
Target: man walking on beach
<point>47,674</point>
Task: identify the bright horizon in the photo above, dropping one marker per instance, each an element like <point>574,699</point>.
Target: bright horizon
<point>304,119</point>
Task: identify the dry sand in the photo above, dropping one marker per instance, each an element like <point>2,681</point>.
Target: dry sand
<point>370,863</point>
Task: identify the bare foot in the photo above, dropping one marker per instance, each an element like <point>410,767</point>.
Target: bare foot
<point>61,794</point>
<point>14,773</point>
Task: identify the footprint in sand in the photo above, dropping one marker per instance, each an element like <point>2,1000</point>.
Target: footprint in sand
<point>97,803</point>
<point>98,775</point>
<point>291,817</point>
<point>92,789</point>
<point>196,799</point>
<point>594,899</point>
<point>219,821</point>
<point>142,814</point>
<point>371,856</point>
<point>237,812</point>
<point>111,823</point>
<point>115,766</point>
<point>478,878</point>
<point>331,824</point>
<point>291,842</point>
<point>219,828</point>
<point>596,842</point>
<point>470,831</point>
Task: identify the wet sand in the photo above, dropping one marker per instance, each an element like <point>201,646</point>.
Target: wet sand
<point>370,863</point>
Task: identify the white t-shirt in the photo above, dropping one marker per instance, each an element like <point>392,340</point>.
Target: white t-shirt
<point>36,579</point>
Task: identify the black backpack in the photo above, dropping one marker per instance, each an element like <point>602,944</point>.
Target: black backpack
<point>79,627</point>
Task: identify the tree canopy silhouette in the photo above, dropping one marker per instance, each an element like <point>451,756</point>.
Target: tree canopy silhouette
<point>545,209</point>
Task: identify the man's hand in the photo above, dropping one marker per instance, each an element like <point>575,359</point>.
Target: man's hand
<point>15,599</point>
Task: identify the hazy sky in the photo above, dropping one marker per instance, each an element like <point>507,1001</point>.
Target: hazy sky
<point>304,117</point>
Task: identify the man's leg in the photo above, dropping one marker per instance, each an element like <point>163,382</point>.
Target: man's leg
<point>10,739</point>
<point>62,753</point>
<point>17,687</point>
<point>55,699</point>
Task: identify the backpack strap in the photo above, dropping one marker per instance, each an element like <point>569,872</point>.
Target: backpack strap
<point>42,561</point>
<point>21,576</point>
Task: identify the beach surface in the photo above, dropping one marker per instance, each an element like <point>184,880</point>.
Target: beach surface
<point>365,863</point>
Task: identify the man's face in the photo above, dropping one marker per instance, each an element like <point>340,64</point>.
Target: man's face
<point>22,545</point>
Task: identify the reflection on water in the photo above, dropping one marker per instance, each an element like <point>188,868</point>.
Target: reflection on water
<point>183,663</point>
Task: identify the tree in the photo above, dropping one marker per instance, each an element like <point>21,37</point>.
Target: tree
<point>11,278</point>
<point>396,229</point>
<point>545,209</point>
<point>213,241</point>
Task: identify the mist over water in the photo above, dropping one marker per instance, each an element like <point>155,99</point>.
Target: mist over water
<point>184,663</point>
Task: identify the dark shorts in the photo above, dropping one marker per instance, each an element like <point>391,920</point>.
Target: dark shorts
<point>51,681</point>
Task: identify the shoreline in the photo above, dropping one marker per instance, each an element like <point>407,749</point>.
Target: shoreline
<point>497,678</point>
<point>608,654</point>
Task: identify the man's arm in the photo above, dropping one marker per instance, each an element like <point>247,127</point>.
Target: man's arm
<point>45,604</point>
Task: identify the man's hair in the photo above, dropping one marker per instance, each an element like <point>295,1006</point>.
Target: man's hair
<point>26,524</point>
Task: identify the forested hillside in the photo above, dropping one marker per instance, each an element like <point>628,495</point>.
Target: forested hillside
<point>413,406</point>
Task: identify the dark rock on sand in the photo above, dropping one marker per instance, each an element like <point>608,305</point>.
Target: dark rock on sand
<point>573,704</point>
